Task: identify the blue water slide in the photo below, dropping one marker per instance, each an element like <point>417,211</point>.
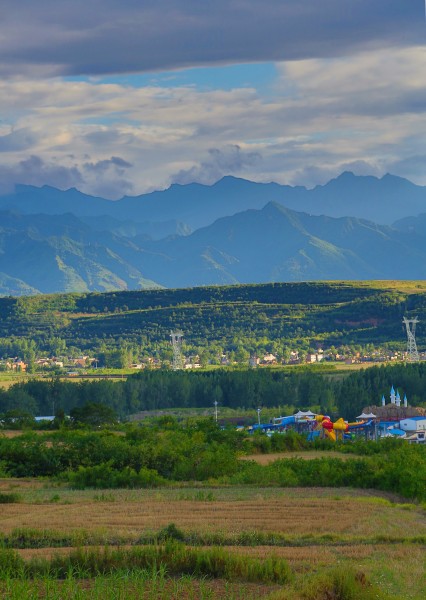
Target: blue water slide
<point>286,421</point>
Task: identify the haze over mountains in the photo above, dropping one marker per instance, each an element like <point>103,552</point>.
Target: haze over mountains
<point>235,231</point>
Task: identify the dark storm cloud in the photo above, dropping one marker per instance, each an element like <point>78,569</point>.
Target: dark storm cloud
<point>112,36</point>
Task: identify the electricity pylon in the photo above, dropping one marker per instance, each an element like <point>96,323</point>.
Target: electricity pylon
<point>177,350</point>
<point>412,352</point>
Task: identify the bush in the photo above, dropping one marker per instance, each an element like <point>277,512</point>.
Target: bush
<point>171,532</point>
<point>10,498</point>
<point>340,583</point>
<point>104,476</point>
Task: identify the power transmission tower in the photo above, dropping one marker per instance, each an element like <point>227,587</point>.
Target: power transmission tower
<point>177,349</point>
<point>412,352</point>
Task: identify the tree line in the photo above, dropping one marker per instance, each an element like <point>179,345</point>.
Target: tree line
<point>287,390</point>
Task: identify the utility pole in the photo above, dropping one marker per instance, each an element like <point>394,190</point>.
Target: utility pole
<point>215,410</point>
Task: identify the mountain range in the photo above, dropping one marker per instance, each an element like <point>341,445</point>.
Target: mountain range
<point>234,231</point>
<point>383,201</point>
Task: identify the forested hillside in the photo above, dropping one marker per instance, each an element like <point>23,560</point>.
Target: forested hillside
<point>239,319</point>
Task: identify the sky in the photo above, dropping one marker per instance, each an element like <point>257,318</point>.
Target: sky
<point>122,97</point>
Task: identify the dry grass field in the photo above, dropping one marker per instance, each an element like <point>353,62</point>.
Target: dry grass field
<point>266,459</point>
<point>290,512</point>
<point>318,528</point>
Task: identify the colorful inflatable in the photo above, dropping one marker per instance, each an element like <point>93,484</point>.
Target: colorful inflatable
<point>335,431</point>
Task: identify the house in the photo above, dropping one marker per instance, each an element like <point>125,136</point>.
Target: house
<point>269,359</point>
<point>16,365</point>
<point>80,362</point>
<point>43,362</point>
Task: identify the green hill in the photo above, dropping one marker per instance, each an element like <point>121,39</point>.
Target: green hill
<point>254,317</point>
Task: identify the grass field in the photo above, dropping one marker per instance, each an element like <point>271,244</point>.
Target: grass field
<point>266,459</point>
<point>313,529</point>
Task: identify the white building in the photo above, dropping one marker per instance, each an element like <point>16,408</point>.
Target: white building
<point>413,424</point>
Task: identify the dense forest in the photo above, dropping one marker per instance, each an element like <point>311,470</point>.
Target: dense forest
<point>120,327</point>
<point>285,390</point>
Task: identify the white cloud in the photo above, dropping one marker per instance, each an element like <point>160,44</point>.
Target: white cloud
<point>364,112</point>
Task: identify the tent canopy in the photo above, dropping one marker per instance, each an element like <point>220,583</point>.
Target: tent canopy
<point>366,416</point>
<point>301,414</point>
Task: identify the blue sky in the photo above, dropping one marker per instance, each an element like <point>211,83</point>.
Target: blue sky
<point>260,76</point>
<point>125,97</point>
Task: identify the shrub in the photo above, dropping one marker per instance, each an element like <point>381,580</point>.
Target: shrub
<point>171,532</point>
<point>340,583</point>
<point>10,498</point>
<point>104,476</point>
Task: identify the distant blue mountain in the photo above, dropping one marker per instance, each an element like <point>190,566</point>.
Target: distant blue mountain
<point>57,253</point>
<point>278,244</point>
<point>383,200</point>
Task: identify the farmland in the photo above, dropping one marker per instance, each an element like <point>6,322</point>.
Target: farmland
<point>312,529</point>
<point>168,510</point>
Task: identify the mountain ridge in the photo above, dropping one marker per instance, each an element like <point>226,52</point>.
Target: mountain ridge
<point>383,200</point>
<point>56,253</point>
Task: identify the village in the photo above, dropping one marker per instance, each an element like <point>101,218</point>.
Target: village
<point>76,365</point>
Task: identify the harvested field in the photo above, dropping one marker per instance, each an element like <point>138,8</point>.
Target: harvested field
<point>291,514</point>
<point>319,528</point>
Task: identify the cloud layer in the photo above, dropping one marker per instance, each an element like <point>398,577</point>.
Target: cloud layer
<point>349,92</point>
<point>121,36</point>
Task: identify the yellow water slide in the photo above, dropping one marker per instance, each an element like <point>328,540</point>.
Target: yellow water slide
<point>330,434</point>
<point>330,429</point>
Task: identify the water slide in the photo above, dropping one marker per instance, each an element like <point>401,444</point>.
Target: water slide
<point>337,429</point>
<point>360,424</point>
<point>278,424</point>
<point>287,421</point>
